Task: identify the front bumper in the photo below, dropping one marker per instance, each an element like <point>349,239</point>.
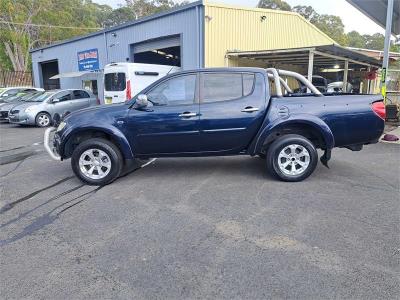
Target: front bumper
<point>51,148</point>
<point>21,118</point>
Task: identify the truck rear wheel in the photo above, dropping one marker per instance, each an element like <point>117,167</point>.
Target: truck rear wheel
<point>97,161</point>
<point>292,158</point>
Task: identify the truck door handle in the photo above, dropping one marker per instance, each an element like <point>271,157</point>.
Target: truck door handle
<point>187,114</point>
<point>250,109</point>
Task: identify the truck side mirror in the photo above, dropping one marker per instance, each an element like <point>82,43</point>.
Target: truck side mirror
<point>141,101</point>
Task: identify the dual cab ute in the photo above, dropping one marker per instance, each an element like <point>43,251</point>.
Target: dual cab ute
<point>216,112</point>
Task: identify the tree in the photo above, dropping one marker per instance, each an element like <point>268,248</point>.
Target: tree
<point>274,4</point>
<point>101,13</point>
<point>354,39</point>
<point>143,8</point>
<point>118,16</point>
<point>19,32</point>
<point>332,26</point>
<point>17,39</point>
<point>375,41</point>
<point>306,11</point>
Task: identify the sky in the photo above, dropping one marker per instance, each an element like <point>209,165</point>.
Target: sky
<point>351,17</point>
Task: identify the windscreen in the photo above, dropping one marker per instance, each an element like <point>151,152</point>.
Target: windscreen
<point>40,97</point>
<point>114,82</point>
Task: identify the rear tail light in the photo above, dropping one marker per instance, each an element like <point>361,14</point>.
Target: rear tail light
<point>128,90</point>
<point>98,101</point>
<point>379,109</point>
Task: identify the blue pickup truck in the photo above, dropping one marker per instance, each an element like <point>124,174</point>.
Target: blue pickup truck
<point>216,112</point>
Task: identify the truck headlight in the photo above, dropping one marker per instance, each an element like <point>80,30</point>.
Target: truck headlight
<point>61,126</point>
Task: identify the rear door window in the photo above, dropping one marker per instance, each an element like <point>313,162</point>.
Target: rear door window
<point>79,94</point>
<point>226,86</point>
<point>114,82</point>
<point>248,84</point>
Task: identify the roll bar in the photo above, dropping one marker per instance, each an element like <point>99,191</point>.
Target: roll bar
<point>283,82</point>
<point>275,74</point>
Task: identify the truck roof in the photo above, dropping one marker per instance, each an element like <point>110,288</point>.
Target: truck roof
<point>224,69</point>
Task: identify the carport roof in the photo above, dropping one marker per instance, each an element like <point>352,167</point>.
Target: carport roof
<point>323,55</point>
<point>376,10</point>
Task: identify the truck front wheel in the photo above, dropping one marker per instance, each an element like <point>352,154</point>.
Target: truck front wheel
<point>292,157</point>
<point>97,161</point>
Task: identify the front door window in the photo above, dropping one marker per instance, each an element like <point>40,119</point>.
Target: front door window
<point>176,91</point>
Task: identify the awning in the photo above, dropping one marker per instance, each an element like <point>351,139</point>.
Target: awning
<point>73,74</point>
<point>323,56</point>
<point>376,10</point>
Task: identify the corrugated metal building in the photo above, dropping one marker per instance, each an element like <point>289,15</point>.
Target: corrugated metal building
<point>199,34</point>
<point>177,29</point>
<point>230,28</point>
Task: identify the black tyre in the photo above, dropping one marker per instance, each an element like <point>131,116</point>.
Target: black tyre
<point>97,161</point>
<point>292,158</point>
<point>43,119</point>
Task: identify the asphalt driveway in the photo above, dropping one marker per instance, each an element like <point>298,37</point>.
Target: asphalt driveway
<point>198,228</point>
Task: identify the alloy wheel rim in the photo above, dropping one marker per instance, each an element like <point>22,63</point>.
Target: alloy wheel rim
<point>293,160</point>
<point>44,120</point>
<point>95,164</point>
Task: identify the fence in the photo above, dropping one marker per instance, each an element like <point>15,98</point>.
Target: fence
<point>15,78</point>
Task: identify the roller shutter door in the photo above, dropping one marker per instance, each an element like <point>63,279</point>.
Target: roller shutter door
<point>157,44</point>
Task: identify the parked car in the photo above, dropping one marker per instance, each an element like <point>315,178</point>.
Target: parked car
<point>9,102</point>
<point>337,87</point>
<point>124,80</point>
<point>208,112</point>
<point>12,91</point>
<point>41,110</point>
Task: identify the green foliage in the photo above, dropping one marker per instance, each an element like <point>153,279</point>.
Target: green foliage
<point>354,39</point>
<point>332,26</point>
<point>375,41</point>
<point>274,4</point>
<point>5,63</point>
<point>118,16</point>
<point>143,8</point>
<point>306,11</point>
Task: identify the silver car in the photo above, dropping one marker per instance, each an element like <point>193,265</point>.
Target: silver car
<point>12,91</point>
<point>40,110</point>
<point>7,103</point>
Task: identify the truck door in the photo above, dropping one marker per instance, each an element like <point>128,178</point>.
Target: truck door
<point>171,124</point>
<point>232,107</point>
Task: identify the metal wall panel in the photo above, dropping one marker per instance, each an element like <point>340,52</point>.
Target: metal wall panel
<point>114,46</point>
<point>67,57</point>
<point>251,29</point>
<point>182,23</point>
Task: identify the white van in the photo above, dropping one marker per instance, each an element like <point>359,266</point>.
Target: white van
<point>122,81</point>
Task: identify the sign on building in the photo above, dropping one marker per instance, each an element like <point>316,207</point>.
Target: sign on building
<point>88,60</point>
